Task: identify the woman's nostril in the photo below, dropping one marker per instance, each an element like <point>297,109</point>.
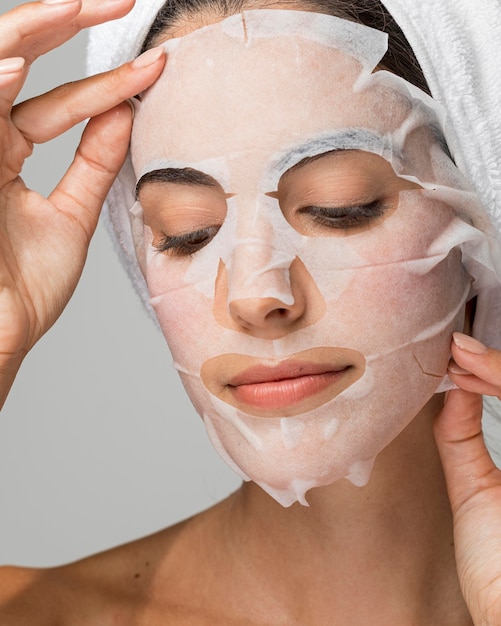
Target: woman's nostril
<point>281,313</point>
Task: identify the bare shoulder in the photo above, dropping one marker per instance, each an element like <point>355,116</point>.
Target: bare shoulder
<point>148,581</point>
<point>101,589</point>
<point>23,596</point>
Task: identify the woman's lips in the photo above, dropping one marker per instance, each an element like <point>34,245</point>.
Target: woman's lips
<point>271,388</point>
<point>277,393</point>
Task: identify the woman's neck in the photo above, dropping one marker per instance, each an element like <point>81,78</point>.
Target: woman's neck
<point>382,554</point>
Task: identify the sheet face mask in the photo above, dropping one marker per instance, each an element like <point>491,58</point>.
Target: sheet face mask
<point>306,243</point>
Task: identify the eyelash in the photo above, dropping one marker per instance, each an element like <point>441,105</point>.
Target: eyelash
<point>345,218</point>
<point>188,244</point>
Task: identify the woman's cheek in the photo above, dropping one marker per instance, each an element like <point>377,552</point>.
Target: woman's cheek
<point>183,312</point>
<point>377,308</point>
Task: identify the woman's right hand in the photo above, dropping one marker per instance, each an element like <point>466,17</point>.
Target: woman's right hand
<point>44,242</point>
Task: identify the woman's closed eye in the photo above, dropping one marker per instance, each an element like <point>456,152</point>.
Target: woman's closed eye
<point>347,217</point>
<point>187,243</point>
<point>340,193</point>
<point>340,218</point>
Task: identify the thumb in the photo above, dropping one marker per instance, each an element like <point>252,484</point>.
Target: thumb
<point>467,464</point>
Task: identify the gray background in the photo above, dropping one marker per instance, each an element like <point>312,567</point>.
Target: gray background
<point>98,443</point>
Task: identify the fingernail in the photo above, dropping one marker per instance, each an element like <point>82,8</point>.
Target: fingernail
<point>149,57</point>
<point>9,66</point>
<point>468,344</point>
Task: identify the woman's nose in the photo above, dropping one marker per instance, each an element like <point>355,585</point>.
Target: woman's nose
<point>277,311</point>
<point>267,318</point>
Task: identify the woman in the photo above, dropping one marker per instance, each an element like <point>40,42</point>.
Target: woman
<point>381,554</point>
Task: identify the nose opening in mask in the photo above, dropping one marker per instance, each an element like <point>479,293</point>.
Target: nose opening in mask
<point>258,271</point>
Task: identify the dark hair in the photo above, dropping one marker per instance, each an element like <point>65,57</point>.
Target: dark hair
<point>399,59</point>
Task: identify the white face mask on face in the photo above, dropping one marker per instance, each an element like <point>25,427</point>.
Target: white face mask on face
<point>300,244</point>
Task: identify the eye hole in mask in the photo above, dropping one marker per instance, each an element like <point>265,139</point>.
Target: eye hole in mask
<point>184,208</point>
<point>338,193</point>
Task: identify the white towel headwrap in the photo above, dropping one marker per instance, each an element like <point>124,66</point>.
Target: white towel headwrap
<point>457,43</point>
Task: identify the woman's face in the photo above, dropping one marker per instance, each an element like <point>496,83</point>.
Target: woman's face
<point>307,292</point>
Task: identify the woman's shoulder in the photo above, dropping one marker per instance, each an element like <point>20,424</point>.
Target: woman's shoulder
<point>123,586</point>
<point>17,584</point>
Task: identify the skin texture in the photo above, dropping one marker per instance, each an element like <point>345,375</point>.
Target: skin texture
<point>404,550</point>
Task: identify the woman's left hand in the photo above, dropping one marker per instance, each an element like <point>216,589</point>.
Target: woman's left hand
<point>473,481</point>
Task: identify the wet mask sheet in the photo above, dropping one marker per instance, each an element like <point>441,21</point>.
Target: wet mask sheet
<point>308,243</point>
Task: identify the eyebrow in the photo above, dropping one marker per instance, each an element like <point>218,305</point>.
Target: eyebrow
<point>339,141</point>
<point>316,157</point>
<point>178,175</point>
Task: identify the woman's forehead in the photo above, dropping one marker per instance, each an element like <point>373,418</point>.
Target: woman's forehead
<point>244,94</point>
<point>219,96</point>
<point>238,101</point>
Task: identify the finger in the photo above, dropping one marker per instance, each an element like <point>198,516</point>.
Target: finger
<point>98,160</point>
<point>469,382</point>
<point>33,29</point>
<point>98,11</point>
<point>12,74</point>
<point>19,27</point>
<point>467,464</point>
<point>45,117</point>
<point>474,384</point>
<point>482,363</point>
